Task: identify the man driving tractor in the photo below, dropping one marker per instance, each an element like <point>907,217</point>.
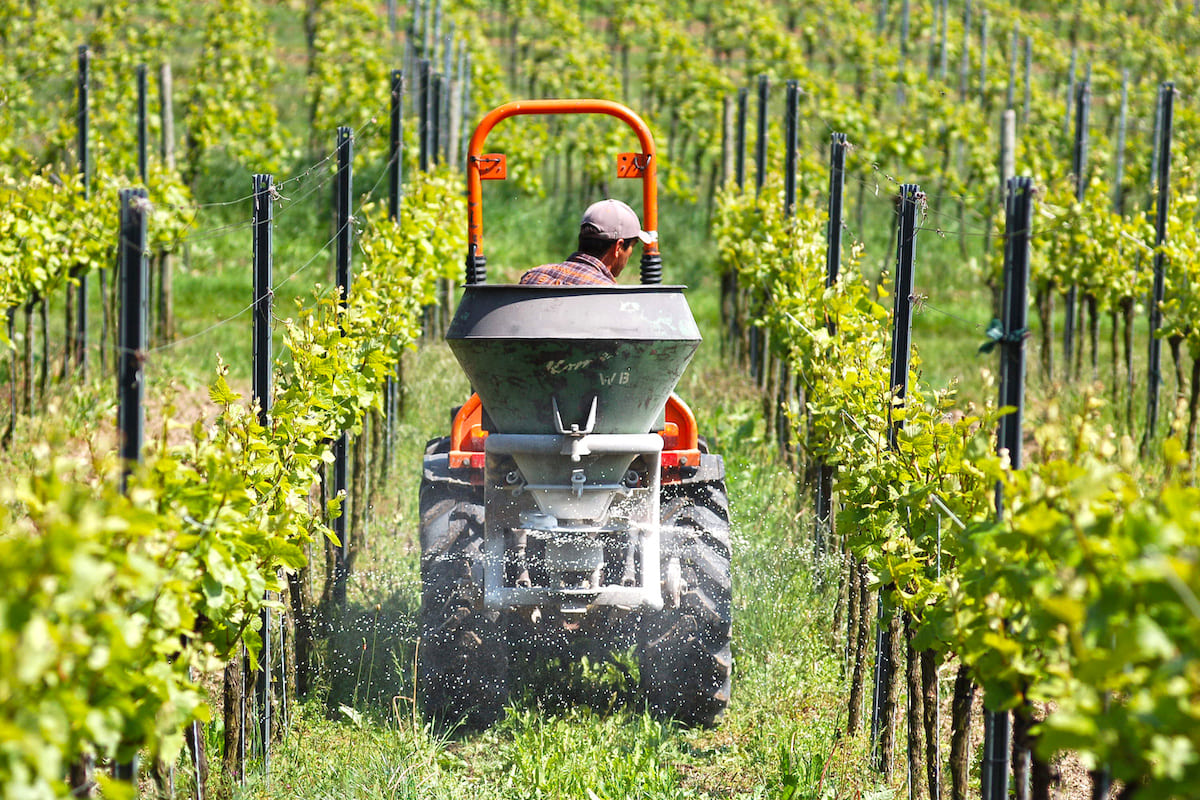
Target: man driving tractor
<point>608,233</point>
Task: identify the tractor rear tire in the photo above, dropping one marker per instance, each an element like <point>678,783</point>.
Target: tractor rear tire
<point>684,653</point>
<point>462,656</point>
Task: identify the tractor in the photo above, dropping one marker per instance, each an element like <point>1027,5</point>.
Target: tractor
<point>574,507</point>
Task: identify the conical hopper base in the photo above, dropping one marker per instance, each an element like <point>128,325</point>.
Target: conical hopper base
<point>526,349</point>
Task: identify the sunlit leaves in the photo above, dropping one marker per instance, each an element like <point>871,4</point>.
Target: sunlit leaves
<point>229,107</point>
<point>1083,598</point>
<point>89,629</point>
<point>48,229</point>
<point>116,595</point>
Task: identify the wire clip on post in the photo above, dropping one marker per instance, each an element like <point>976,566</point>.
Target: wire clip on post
<point>997,335</point>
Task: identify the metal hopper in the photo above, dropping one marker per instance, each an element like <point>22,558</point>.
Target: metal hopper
<point>579,367</point>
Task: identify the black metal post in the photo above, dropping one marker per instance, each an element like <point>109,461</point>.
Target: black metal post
<point>1166,96</point>
<point>142,145</point>
<point>344,187</point>
<point>833,260</point>
<point>431,114</point>
<point>1079,167</point>
<point>447,106</point>
<point>126,771</point>
<point>81,293</point>
<point>395,193</point>
<point>341,448</point>
<point>910,201</point>
<point>906,250</point>
<point>395,162</point>
<point>243,702</point>
<point>792,122</point>
<point>263,258</point>
<point>130,368</point>
<point>760,143</point>
<point>132,255</point>
<point>837,190</point>
<point>423,122</point>
<point>141,122</point>
<point>898,384</point>
<point>10,318</point>
<point>743,99</point>
<point>1018,220</point>
<point>436,86</point>
<point>824,520</point>
<point>263,262</point>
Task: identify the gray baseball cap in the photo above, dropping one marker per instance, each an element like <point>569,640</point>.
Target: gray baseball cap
<point>612,219</point>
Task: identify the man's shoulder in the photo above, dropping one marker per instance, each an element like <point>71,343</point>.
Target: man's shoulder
<point>545,274</point>
<point>575,271</point>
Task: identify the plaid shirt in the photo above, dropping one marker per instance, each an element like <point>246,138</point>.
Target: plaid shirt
<point>579,269</point>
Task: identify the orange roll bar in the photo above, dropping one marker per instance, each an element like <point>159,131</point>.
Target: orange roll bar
<point>547,107</point>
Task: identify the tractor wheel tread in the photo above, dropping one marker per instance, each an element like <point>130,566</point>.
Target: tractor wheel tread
<point>684,653</point>
<point>462,658</point>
